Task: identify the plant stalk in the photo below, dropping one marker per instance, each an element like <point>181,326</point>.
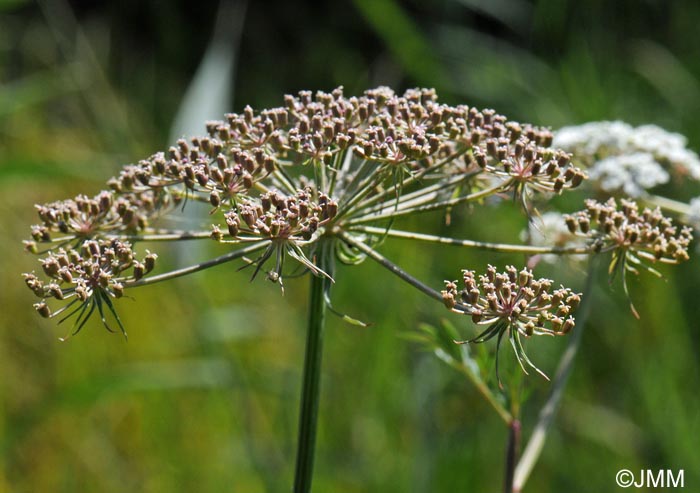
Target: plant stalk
<point>483,245</point>
<point>511,454</point>
<point>197,267</point>
<point>310,390</point>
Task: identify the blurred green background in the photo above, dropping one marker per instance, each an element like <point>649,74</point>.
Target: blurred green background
<point>203,396</point>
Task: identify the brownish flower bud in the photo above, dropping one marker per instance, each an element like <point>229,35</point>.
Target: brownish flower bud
<point>43,309</point>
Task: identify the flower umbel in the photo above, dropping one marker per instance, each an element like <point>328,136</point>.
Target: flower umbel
<point>283,180</point>
<point>88,278</point>
<point>630,233</point>
<point>632,236</point>
<point>512,304</point>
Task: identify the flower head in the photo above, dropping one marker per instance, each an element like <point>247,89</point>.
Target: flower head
<point>528,166</point>
<point>631,174</point>
<point>631,233</point>
<point>512,303</point>
<point>628,159</point>
<point>281,181</point>
<point>87,278</point>
<point>633,236</point>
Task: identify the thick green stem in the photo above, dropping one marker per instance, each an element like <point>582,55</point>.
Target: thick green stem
<point>310,390</point>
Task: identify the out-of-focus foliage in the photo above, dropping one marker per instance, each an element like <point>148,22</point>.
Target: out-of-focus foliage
<point>204,395</point>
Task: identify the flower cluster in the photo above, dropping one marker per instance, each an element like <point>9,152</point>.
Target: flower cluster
<point>277,216</point>
<point>512,303</point>
<point>627,159</point>
<point>631,174</point>
<point>105,214</point>
<point>280,181</point>
<point>632,234</point>
<point>89,277</point>
<point>526,164</point>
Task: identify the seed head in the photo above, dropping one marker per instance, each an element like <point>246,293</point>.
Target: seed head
<point>87,278</point>
<point>515,304</point>
<point>631,233</point>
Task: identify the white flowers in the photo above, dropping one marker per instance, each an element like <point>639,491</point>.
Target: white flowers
<point>627,159</point>
<point>630,173</point>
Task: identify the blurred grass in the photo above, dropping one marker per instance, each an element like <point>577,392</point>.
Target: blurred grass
<point>203,397</point>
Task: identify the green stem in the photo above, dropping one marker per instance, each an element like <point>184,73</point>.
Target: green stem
<point>308,414</point>
<point>668,204</point>
<point>494,247</point>
<point>511,454</point>
<point>164,235</point>
<point>197,267</point>
<point>393,268</point>
<point>390,213</point>
<point>534,446</point>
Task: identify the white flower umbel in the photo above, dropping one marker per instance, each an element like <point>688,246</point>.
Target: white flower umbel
<point>631,174</point>
<point>646,155</point>
<point>668,148</point>
<point>594,140</point>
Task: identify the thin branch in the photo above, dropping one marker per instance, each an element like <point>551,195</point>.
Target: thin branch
<point>356,192</point>
<point>197,267</point>
<point>668,204</point>
<point>391,213</point>
<point>494,247</point>
<point>424,194</point>
<point>164,235</point>
<point>395,269</point>
<point>417,176</point>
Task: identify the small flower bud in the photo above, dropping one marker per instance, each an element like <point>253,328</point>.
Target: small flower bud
<point>66,275</point>
<point>118,290</point>
<point>216,233</point>
<point>448,299</point>
<point>43,309</point>
<point>149,261</point>
<point>215,198</point>
<point>139,270</point>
